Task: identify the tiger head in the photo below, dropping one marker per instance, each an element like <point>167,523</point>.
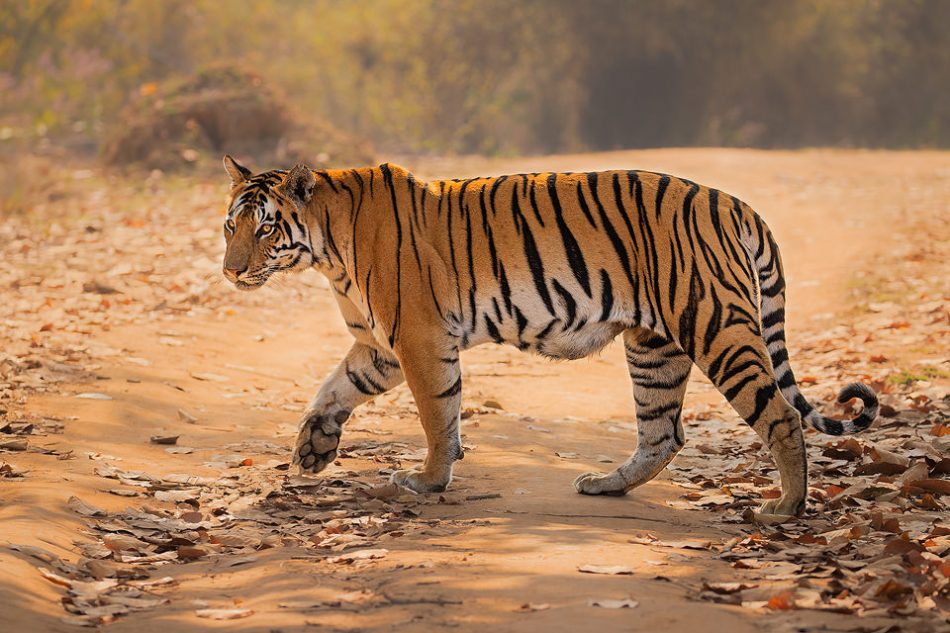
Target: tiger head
<point>265,229</point>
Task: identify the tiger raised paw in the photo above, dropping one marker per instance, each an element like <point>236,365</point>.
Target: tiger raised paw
<point>558,264</point>
<point>318,439</point>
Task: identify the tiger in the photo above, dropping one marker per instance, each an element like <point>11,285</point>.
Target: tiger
<point>558,264</point>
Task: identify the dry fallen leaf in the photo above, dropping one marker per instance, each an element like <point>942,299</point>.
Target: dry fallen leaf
<point>167,440</point>
<point>606,603</point>
<point>609,570</point>
<point>93,396</point>
<point>79,506</point>
<point>781,601</point>
<point>728,587</point>
<point>363,554</point>
<point>224,614</point>
<point>208,376</point>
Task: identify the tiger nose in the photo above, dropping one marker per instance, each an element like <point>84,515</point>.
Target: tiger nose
<point>233,273</point>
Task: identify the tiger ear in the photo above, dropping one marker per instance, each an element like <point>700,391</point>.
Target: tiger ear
<point>238,172</point>
<point>299,184</point>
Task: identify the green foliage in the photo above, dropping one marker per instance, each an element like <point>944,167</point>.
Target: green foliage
<point>494,76</point>
<point>907,377</point>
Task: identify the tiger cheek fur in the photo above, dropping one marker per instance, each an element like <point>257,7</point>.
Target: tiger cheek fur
<point>555,264</point>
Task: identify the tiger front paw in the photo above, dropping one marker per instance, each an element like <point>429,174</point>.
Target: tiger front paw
<point>318,440</point>
<point>418,480</point>
<point>600,484</point>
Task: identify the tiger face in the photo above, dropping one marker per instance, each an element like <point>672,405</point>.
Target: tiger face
<point>265,231</point>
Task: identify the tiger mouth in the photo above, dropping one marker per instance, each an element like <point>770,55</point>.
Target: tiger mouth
<point>245,285</point>
<point>259,278</point>
<point>254,281</point>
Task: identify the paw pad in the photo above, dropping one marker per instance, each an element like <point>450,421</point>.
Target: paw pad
<point>318,440</point>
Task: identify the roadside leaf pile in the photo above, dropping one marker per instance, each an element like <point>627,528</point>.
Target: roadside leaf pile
<point>186,519</point>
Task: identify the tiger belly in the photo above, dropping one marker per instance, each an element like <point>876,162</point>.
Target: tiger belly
<point>556,338</point>
<point>573,343</point>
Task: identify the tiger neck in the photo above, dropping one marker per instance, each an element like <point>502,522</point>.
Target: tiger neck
<point>332,215</point>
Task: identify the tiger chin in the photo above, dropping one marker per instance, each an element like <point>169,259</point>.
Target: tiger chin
<point>557,264</point>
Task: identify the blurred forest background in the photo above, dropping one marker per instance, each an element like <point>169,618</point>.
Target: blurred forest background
<point>470,76</point>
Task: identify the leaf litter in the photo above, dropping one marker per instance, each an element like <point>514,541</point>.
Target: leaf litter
<point>873,541</point>
<point>231,518</point>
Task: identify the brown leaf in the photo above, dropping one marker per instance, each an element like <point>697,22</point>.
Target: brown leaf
<point>190,552</point>
<point>610,570</point>
<point>883,462</point>
<point>613,604</point>
<point>849,448</point>
<point>79,506</point>
<point>56,579</point>
<point>938,486</point>
<point>882,524</point>
<point>781,601</point>
<point>224,614</point>
<point>530,606</point>
<point>902,546</point>
<point>893,589</point>
<point>363,554</point>
<point>122,542</point>
<point>167,440</point>
<point>208,376</point>
<point>727,587</point>
<point>916,473</point>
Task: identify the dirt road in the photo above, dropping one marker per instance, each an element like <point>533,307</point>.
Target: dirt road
<point>118,331</point>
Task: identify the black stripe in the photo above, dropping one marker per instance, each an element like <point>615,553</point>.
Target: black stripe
<point>569,303</point>
<point>762,398</point>
<point>615,240</point>
<point>734,391</point>
<point>360,383</point>
<point>533,198</point>
<point>571,248</point>
<point>454,390</point>
<point>583,202</point>
<point>606,295</point>
<point>505,288</point>
<point>494,190</point>
<point>547,329</point>
<point>388,179</point>
<point>537,269</point>
<point>493,330</point>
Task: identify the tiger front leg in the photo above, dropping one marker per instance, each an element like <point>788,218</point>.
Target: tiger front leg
<point>364,373</point>
<point>435,380</point>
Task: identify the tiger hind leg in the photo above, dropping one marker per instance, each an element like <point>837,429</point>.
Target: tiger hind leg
<point>741,370</point>
<point>659,370</point>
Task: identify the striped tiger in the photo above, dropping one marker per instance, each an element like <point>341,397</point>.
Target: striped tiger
<point>558,264</point>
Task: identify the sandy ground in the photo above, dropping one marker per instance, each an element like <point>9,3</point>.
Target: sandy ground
<point>464,564</point>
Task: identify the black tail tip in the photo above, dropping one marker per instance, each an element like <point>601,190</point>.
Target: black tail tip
<point>867,396</point>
